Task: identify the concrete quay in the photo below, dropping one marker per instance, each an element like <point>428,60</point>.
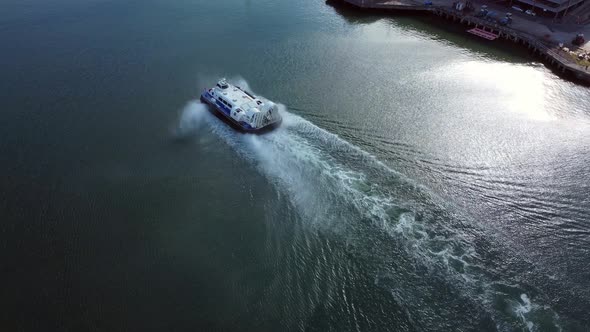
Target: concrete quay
<point>528,33</point>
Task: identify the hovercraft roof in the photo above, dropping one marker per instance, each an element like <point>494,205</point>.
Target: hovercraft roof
<point>235,96</point>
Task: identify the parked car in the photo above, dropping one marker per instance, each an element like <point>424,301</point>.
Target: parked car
<point>579,40</point>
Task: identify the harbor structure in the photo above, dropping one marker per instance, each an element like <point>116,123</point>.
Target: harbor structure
<point>525,33</point>
<point>554,8</point>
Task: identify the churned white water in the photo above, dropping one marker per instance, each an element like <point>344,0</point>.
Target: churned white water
<point>333,185</point>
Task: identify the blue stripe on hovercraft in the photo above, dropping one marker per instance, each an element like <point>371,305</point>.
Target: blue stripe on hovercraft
<point>227,111</point>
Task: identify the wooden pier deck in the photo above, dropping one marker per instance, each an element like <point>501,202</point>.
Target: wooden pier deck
<point>483,34</point>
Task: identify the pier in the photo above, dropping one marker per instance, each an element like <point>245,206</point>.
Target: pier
<point>483,34</point>
<point>397,5</point>
<point>550,55</point>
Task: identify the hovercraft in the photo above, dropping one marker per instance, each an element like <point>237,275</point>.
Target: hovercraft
<point>241,109</point>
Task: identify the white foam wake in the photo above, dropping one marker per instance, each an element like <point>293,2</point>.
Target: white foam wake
<point>192,118</point>
<point>334,184</point>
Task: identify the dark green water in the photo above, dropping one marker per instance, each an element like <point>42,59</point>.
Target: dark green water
<point>422,180</point>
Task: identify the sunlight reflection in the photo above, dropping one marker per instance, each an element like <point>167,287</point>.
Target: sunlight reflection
<point>519,88</point>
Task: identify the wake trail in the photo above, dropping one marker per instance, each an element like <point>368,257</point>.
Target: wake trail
<point>334,185</point>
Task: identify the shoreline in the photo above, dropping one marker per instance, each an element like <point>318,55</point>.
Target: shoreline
<point>551,57</point>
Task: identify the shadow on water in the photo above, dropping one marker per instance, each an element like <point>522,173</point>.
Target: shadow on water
<point>436,28</point>
<point>353,15</point>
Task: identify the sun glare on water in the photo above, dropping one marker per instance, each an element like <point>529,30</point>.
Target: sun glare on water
<point>521,89</point>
